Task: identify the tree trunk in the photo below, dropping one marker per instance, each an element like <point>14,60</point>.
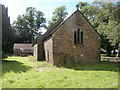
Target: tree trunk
<point>114,51</point>
<point>117,55</point>
<point>108,51</point>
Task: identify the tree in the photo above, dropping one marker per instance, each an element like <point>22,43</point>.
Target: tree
<point>109,16</point>
<point>28,25</point>
<point>104,18</point>
<point>58,14</point>
<point>7,33</point>
<point>40,20</point>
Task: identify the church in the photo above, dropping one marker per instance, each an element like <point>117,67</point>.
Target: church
<point>71,41</point>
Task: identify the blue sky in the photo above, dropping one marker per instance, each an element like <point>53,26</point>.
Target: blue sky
<point>17,7</point>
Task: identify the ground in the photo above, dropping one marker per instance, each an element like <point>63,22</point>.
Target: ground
<point>23,72</point>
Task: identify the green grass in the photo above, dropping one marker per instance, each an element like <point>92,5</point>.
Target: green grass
<point>112,55</point>
<point>104,55</point>
<point>21,72</point>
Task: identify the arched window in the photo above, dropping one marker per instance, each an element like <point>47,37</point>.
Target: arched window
<point>81,37</point>
<point>75,37</point>
<point>78,37</point>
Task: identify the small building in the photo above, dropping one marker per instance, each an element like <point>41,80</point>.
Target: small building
<point>68,42</point>
<point>22,49</point>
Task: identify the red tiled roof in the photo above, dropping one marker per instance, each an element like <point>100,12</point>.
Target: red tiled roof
<point>22,46</point>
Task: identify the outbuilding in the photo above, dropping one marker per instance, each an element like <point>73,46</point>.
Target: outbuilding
<point>22,49</point>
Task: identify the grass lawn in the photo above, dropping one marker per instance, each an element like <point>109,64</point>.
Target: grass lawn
<point>23,72</point>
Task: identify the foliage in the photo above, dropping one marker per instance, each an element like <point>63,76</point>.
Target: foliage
<point>28,25</point>
<point>24,74</point>
<point>58,14</point>
<point>104,18</point>
<point>7,33</point>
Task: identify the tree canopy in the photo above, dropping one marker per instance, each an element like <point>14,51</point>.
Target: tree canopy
<point>58,14</point>
<point>105,19</point>
<point>7,33</point>
<point>28,25</point>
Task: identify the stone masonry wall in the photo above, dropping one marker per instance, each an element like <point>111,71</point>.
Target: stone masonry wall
<point>48,47</point>
<point>41,53</point>
<point>35,51</point>
<point>65,52</point>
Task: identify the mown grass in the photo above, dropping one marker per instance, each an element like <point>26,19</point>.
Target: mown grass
<point>22,72</point>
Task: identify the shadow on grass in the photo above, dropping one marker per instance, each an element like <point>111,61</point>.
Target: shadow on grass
<point>94,66</point>
<point>14,66</point>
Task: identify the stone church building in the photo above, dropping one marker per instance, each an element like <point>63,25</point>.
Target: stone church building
<point>71,41</point>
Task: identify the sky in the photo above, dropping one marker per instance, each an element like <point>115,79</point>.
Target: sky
<point>18,7</point>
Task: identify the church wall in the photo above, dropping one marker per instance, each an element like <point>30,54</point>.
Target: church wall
<point>35,51</point>
<point>41,53</point>
<point>64,49</point>
<point>48,47</point>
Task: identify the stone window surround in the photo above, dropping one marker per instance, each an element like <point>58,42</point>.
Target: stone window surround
<point>76,39</point>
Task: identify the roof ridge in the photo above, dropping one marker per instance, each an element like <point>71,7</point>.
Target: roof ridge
<point>61,22</point>
<point>52,28</point>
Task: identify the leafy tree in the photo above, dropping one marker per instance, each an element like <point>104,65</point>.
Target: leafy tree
<point>28,25</point>
<point>58,14</point>
<point>104,18</point>
<point>109,17</point>
<point>40,20</point>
